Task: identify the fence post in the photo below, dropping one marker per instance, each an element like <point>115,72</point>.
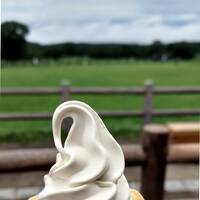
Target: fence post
<point>65,96</point>
<point>65,91</point>
<point>155,145</point>
<point>148,105</point>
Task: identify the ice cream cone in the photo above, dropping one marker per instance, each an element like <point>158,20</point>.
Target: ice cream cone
<point>33,198</point>
<point>135,195</point>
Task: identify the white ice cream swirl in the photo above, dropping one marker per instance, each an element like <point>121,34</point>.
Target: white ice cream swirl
<point>90,166</point>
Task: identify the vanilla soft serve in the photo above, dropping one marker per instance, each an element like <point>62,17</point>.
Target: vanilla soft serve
<point>90,165</point>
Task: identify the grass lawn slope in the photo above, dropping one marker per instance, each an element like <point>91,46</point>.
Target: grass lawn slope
<point>91,73</point>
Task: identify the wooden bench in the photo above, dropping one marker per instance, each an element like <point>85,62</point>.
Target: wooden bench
<point>163,144</point>
<point>184,132</point>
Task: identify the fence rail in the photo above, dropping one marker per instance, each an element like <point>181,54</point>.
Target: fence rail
<point>105,114</point>
<point>99,91</point>
<point>33,159</point>
<point>148,91</point>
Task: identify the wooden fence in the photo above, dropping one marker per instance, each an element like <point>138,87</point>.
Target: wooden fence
<point>148,91</point>
<point>153,156</point>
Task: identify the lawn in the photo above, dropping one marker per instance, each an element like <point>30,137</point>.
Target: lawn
<point>87,73</point>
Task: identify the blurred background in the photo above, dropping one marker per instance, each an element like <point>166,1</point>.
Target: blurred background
<point>135,62</point>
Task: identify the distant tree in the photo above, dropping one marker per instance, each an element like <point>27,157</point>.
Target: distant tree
<point>13,40</point>
<point>157,50</point>
<point>182,50</point>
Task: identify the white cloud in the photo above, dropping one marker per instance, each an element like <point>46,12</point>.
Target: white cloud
<point>142,31</point>
<point>106,20</point>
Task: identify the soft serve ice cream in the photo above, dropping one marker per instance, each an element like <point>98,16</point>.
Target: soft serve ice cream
<point>90,165</point>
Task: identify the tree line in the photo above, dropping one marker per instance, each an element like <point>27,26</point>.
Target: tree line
<point>15,47</point>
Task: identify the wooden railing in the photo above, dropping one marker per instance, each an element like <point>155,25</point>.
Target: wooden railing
<point>148,91</point>
<point>153,155</point>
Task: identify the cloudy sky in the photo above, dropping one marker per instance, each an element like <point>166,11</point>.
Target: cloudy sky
<point>124,21</point>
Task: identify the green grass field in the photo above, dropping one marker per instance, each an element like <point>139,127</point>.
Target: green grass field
<point>86,72</point>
